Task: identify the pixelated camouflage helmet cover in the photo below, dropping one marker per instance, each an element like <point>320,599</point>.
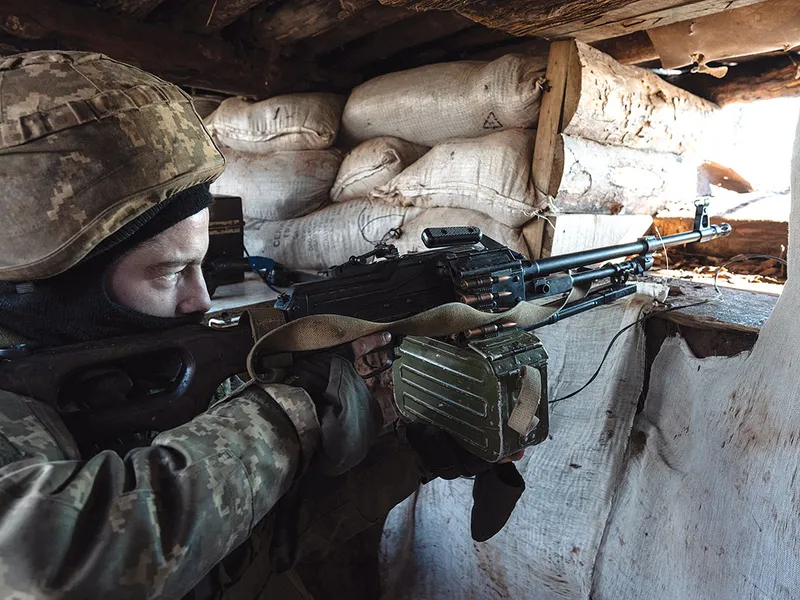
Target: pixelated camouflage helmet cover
<point>86,144</point>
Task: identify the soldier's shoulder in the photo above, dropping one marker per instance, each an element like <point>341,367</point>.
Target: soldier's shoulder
<point>33,429</point>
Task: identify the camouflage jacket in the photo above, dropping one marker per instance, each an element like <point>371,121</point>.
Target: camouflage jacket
<point>153,524</point>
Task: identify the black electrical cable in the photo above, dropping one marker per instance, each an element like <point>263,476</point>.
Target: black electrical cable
<point>737,258</point>
<point>614,339</point>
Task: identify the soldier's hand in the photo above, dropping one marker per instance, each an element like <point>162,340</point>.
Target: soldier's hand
<point>365,358</point>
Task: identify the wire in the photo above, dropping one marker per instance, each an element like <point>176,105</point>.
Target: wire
<point>739,258</point>
<point>264,276</point>
<point>616,337</point>
<point>664,246</point>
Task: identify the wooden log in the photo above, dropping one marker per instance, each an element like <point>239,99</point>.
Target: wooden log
<point>551,235</point>
<point>294,20</point>
<point>632,49</point>
<point>747,237</point>
<point>769,26</point>
<point>462,45</point>
<point>205,16</point>
<point>628,106</point>
<point>597,178</point>
<point>587,20</point>
<point>205,62</point>
<point>760,79</point>
<point>390,41</point>
<point>137,9</point>
<point>364,22</point>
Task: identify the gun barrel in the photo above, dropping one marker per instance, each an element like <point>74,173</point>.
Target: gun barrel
<point>646,245</point>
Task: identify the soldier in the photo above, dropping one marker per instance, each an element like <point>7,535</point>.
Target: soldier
<point>104,172</point>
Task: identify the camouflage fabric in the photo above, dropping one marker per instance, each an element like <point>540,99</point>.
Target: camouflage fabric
<point>150,525</point>
<point>86,145</point>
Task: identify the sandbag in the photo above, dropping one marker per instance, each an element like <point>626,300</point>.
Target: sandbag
<point>290,122</point>
<point>332,235</point>
<point>328,237</point>
<point>371,164</point>
<point>411,240</point>
<point>491,175</point>
<point>279,185</point>
<point>438,102</point>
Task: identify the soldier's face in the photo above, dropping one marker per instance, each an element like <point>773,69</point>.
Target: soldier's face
<point>162,276</point>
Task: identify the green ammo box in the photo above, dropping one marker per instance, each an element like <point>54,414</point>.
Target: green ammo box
<point>470,392</point>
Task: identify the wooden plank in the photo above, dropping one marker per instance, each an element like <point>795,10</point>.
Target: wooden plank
<point>205,16</point>
<point>550,118</point>
<point>747,237</point>
<point>390,41</point>
<point>205,62</point>
<point>552,235</point>
<point>587,20</point>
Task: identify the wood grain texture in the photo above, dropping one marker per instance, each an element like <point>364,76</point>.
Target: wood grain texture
<point>414,31</point>
<point>355,26</point>
<point>560,234</point>
<point>747,237</point>
<point>205,16</point>
<point>606,179</point>
<point>550,119</point>
<point>587,20</point>
<point>137,9</point>
<point>293,20</point>
<point>628,106</point>
<point>205,62</point>
<point>765,27</point>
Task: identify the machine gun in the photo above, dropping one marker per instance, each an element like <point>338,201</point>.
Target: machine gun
<point>486,386</point>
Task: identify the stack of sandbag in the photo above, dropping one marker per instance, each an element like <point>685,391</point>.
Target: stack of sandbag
<point>445,144</point>
<point>279,153</point>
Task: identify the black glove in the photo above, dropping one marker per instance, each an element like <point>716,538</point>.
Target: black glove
<point>497,487</point>
<point>350,418</point>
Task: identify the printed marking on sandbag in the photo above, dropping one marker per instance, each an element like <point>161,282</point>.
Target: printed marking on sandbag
<point>492,122</point>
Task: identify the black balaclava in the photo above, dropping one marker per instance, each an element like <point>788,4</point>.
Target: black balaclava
<point>74,306</point>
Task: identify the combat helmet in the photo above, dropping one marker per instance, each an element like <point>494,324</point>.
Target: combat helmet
<point>88,144</point>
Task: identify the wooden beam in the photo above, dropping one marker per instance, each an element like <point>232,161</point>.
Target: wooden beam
<point>205,16</point>
<point>462,45</point>
<point>295,20</point>
<point>205,62</point>
<point>390,41</point>
<point>770,26</point>
<point>357,25</point>
<point>126,8</point>
<point>586,20</point>
<point>631,49</point>
<point>759,79</point>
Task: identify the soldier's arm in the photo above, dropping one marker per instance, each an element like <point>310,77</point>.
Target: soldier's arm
<point>151,524</point>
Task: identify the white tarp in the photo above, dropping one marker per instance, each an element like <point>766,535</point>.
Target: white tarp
<point>709,502</point>
<point>548,548</point>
